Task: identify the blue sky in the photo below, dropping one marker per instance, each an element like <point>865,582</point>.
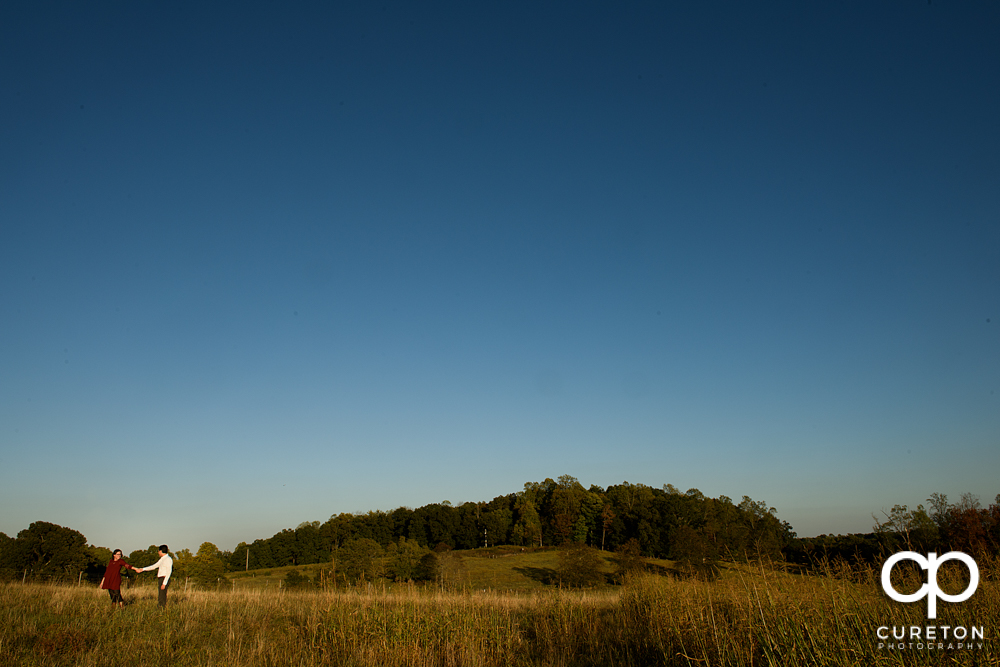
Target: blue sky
<point>263,267</point>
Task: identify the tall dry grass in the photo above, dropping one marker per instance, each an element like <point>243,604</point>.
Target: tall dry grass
<point>747,617</point>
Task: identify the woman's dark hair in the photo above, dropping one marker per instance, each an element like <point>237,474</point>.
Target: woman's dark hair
<point>163,548</point>
<point>117,551</point>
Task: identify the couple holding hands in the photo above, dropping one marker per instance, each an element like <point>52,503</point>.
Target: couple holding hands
<point>112,581</point>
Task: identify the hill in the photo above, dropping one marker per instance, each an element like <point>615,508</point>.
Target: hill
<point>503,569</point>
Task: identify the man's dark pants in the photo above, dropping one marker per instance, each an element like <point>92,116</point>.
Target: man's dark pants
<point>163,592</point>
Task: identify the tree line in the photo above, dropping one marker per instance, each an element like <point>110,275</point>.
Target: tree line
<point>659,522</point>
<point>633,520</point>
<point>49,552</point>
<point>941,526</point>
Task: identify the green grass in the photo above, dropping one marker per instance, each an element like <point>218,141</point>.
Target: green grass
<point>269,578</point>
<point>514,569</point>
<point>511,569</point>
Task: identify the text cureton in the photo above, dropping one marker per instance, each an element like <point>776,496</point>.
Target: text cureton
<point>929,632</point>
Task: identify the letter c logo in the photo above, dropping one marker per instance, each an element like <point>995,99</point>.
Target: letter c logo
<point>930,589</point>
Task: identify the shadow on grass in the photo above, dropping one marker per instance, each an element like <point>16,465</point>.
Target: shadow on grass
<point>658,569</point>
<point>544,575</point>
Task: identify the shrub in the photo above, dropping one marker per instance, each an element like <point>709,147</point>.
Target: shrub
<point>296,580</point>
<point>580,565</point>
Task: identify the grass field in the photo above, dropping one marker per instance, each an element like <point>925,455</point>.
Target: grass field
<point>497,569</point>
<point>748,616</point>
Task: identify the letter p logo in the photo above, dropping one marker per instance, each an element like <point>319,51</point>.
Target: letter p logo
<point>930,589</point>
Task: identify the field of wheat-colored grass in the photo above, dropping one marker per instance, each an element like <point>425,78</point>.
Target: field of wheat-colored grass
<point>748,616</point>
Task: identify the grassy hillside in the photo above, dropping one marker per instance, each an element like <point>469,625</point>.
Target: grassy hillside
<point>507,569</point>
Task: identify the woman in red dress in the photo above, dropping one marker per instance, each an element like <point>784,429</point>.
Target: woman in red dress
<point>112,580</point>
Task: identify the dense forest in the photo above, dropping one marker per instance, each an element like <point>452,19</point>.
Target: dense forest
<point>686,527</point>
<point>665,523</point>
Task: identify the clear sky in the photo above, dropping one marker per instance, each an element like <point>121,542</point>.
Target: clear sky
<point>266,263</point>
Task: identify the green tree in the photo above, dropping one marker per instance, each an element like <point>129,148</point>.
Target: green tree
<point>99,554</point>
<point>144,557</point>
<point>766,534</point>
<point>580,565</point>
<point>360,559</point>
<point>429,567</point>
<point>208,566</point>
<point>528,526</point>
<point>404,559</point>
<point>452,571</point>
<point>607,521</point>
<point>296,580</point>
<point>692,551</point>
<point>939,508</point>
<point>914,529</point>
<point>586,527</point>
<point>335,532</point>
<point>308,546</point>
<point>628,559</point>
<point>7,568</point>
<point>49,551</point>
<point>97,562</point>
<point>469,529</point>
<point>239,560</point>
<point>560,506</point>
<point>497,523</point>
<point>283,548</point>
<point>183,560</point>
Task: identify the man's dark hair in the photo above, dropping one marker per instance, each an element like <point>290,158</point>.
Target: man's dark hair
<point>163,548</point>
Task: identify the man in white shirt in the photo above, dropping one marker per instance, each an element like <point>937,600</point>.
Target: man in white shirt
<point>164,567</point>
